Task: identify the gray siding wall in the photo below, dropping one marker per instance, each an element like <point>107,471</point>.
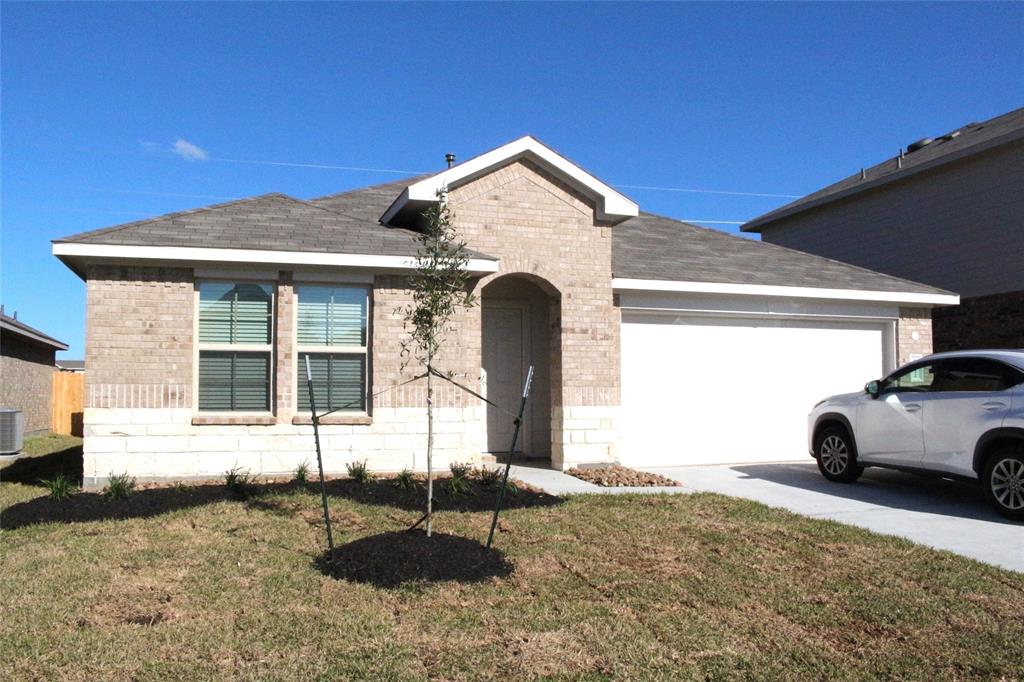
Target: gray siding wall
<point>959,227</point>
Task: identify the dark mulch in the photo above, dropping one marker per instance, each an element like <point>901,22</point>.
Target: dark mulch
<point>398,558</point>
<point>152,500</point>
<point>615,476</point>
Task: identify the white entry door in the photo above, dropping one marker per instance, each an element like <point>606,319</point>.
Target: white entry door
<point>505,352</point>
<point>716,390</point>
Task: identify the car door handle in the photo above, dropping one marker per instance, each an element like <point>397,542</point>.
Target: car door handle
<point>912,407</point>
<point>993,406</point>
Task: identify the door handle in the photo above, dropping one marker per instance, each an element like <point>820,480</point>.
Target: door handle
<point>912,407</point>
<point>993,406</point>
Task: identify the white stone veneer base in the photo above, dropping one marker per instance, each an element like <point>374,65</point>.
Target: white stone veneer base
<point>583,435</point>
<point>162,444</point>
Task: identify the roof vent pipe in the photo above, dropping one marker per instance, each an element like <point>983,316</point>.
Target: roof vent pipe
<point>449,158</point>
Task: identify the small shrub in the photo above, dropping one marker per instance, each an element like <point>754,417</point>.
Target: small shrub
<point>405,480</point>
<point>458,485</point>
<point>119,486</point>
<point>459,470</point>
<point>302,473</point>
<point>60,487</point>
<point>358,472</point>
<point>489,477</point>
<point>236,479</point>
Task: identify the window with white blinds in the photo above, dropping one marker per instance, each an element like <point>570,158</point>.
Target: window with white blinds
<point>235,333</point>
<point>332,330</point>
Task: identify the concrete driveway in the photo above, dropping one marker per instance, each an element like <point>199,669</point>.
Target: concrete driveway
<point>943,514</point>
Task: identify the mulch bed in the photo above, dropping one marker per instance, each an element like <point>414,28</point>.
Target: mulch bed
<point>616,476</point>
<point>397,558</point>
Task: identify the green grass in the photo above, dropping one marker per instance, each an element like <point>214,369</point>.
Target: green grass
<point>190,583</point>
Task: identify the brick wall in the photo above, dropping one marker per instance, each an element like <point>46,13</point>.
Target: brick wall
<point>285,370</point>
<point>138,339</point>
<point>995,321</point>
<point>26,380</point>
<point>913,334</point>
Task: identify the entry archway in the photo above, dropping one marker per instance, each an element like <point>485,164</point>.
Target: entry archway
<point>519,327</point>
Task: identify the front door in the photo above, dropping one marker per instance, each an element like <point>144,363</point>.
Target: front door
<point>505,353</point>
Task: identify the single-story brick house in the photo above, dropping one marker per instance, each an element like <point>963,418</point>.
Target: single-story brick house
<point>26,371</point>
<point>655,341</point>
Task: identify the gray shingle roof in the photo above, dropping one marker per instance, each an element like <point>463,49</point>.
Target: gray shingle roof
<point>970,139</point>
<point>653,247</point>
<point>30,334</point>
<point>645,247</point>
<point>275,222</point>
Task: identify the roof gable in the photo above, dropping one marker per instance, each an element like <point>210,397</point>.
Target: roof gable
<point>611,206</point>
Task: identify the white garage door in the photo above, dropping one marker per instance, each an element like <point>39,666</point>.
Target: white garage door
<point>716,391</point>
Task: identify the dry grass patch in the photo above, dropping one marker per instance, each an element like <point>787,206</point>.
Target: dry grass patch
<point>597,587</point>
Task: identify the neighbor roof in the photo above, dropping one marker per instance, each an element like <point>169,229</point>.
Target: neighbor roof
<point>652,247</point>
<point>30,334</point>
<point>971,139</point>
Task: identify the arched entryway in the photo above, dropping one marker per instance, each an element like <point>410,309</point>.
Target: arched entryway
<point>519,313</point>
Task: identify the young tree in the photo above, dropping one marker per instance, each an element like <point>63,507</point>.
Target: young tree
<point>440,287</point>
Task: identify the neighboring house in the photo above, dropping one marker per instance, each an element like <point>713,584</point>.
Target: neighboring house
<point>655,341</point>
<point>26,371</point>
<point>948,211</point>
<point>76,366</point>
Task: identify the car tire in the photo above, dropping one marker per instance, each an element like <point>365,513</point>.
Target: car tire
<point>1003,480</point>
<point>836,455</point>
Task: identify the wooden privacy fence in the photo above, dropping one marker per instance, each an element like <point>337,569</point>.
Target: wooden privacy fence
<point>68,402</point>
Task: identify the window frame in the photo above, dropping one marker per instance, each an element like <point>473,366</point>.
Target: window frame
<point>268,348</point>
<point>885,387</point>
<point>365,350</point>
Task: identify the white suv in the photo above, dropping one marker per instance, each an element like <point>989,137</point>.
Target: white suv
<point>956,415</point>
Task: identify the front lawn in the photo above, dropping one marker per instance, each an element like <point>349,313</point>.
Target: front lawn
<point>199,582</point>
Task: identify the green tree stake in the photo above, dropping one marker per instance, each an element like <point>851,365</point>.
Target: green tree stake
<point>319,458</point>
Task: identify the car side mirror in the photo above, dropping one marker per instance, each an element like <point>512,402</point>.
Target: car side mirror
<point>871,388</point>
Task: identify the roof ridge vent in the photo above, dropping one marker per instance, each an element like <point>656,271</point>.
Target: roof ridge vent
<point>920,144</point>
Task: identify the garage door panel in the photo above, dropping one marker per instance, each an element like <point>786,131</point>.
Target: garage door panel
<point>719,390</point>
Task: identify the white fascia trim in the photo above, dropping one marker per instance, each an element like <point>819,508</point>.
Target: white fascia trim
<point>612,205</point>
<point>194,254</point>
<point>624,284</point>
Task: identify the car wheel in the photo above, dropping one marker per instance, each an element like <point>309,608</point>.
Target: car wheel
<point>836,457</point>
<point>1004,482</point>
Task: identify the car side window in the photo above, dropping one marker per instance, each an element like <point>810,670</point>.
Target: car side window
<point>915,379</point>
<point>975,374</point>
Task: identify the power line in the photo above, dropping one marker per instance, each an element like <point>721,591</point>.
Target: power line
<point>710,191</point>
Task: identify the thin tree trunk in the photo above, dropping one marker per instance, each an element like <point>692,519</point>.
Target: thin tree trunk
<point>430,447</point>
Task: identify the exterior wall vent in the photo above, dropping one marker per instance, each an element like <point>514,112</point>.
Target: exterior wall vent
<point>12,431</point>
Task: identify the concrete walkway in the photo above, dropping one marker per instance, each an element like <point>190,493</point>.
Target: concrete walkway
<point>944,514</point>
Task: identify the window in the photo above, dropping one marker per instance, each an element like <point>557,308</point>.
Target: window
<point>332,332</point>
<point>915,379</point>
<point>976,374</point>
<point>235,331</point>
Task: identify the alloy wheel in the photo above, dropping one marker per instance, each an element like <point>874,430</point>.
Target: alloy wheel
<point>1007,483</point>
<point>834,455</point>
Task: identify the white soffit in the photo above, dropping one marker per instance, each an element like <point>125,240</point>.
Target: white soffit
<point>187,254</point>
<point>623,284</point>
<point>612,206</point>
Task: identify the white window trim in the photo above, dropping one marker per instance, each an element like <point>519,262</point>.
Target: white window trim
<point>199,346</point>
<point>300,370</point>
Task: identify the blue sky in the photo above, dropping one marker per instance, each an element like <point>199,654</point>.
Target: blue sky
<point>765,99</point>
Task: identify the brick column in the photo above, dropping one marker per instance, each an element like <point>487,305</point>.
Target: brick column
<point>284,349</point>
<point>913,334</point>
